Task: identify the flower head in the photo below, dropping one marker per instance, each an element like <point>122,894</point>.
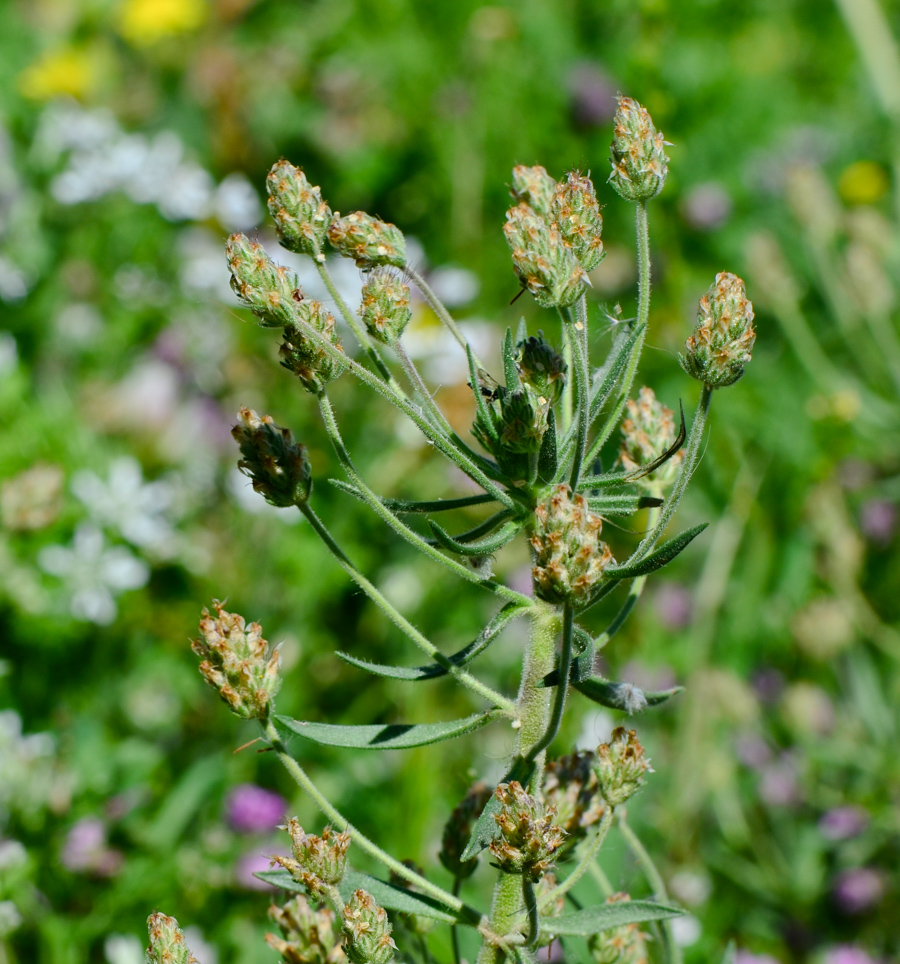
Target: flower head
<point>367,240</point>
<point>529,838</point>
<point>277,465</point>
<point>367,930</point>
<point>318,862</point>
<point>309,935</point>
<point>647,433</point>
<point>621,765</point>
<point>385,307</point>
<point>639,162</point>
<point>300,214</point>
<point>167,944</point>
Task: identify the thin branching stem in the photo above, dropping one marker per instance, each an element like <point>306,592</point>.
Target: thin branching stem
<point>531,909</point>
<point>418,383</point>
<point>439,309</point>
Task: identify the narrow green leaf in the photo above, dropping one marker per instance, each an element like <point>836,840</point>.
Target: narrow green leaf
<point>483,528</point>
<point>548,457</point>
<point>437,505</point>
<point>485,547</point>
<point>604,917</point>
<point>604,481</point>
<point>392,736</point>
<point>659,558</point>
<point>483,417</point>
<point>730,954</point>
<point>622,696</point>
<point>622,504</point>
<point>485,828</point>
<point>613,369</point>
<point>510,368</point>
<point>521,331</point>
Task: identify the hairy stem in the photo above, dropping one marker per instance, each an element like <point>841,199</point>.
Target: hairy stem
<point>438,308</point>
<point>582,387</point>
<point>587,858</point>
<point>531,909</point>
<point>562,687</point>
<point>419,386</point>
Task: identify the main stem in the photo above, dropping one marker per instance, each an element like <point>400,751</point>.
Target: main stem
<point>534,717</point>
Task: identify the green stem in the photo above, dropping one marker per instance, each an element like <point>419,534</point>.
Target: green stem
<point>600,879</point>
<point>403,624</point>
<point>394,523</point>
<point>531,909</point>
<point>654,878</point>
<point>562,687</point>
<point>359,838</point>
<point>582,388</point>
<point>438,308</point>
<point>587,858</point>
<point>454,930</point>
<point>419,386</point>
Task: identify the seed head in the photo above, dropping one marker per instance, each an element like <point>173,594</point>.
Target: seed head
<point>303,355</point>
<point>385,307</point>
<point>266,288</point>
<point>620,945</point>
<point>639,162</point>
<point>533,186</point>
<point>576,213</point>
<point>528,836</point>
<point>541,367</point>
<point>367,240</point>
<point>277,465</point>
<point>317,862</point>
<point>647,433</point>
<point>621,765</point>
<point>300,214</point>
<point>237,662</point>
<point>458,829</point>
<point>723,338</point>
<point>167,945</point>
<point>571,788</point>
<point>367,931</point>
<point>569,557</point>
<point>308,934</point>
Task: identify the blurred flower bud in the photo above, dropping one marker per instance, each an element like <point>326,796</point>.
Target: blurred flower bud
<point>569,557</point>
<point>825,627</point>
<point>723,338</point>
<point>367,240</point>
<point>542,367</point>
<point>533,186</point>
<point>458,829</point>
<point>647,433</point>
<point>237,662</point>
<point>277,465</point>
<point>167,944</point>
<point>858,889</point>
<point>528,837</point>
<point>264,287</point>
<point>555,909</point>
<point>571,788</point>
<point>639,162</point>
<point>576,213</point>
<point>308,935</point>
<point>385,307</point>
<point>318,862</point>
<point>621,765</point>
<point>303,355</point>
<point>619,945</point>
<point>367,931</point>
<point>300,214</point>
<point>542,259</point>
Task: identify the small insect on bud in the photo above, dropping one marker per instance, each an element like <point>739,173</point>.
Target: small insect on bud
<point>647,433</point>
<point>385,307</point>
<point>569,558</point>
<point>303,354</point>
<point>167,945</point>
<point>367,240</point>
<point>277,465</point>
<point>621,765</point>
<point>533,186</point>
<point>619,945</point>
<point>639,162</point>
<point>318,862</point>
<point>367,931</point>
<point>576,213</point>
<point>308,935</point>
<point>237,662</point>
<point>458,829</point>
<point>571,787</point>
<point>264,287</point>
<point>300,214</point>
<point>528,836</point>
<point>723,338</point>
<point>544,262</point>
<point>542,367</point>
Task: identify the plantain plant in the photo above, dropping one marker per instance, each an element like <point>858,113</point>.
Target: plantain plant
<point>539,434</point>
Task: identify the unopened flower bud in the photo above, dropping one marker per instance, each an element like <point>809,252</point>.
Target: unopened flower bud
<point>533,186</point>
<point>300,214</point>
<point>571,788</point>
<point>542,259</point>
<point>542,367</point>
<point>647,433</point>
<point>523,420</point>
<point>266,288</point>
<point>308,935</point>
<point>385,307</point>
<point>639,162</point>
<point>458,829</point>
<point>318,862</point>
<point>576,213</point>
<point>367,240</point>
<point>367,931</point>
<point>528,836</point>
<point>569,557</point>
<point>277,465</point>
<point>621,765</point>
<point>237,662</point>
<point>167,944</point>
<point>723,338</point>
<point>619,945</point>
<point>303,354</point>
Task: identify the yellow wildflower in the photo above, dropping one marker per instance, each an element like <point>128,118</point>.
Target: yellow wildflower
<point>145,22</point>
<point>59,73</point>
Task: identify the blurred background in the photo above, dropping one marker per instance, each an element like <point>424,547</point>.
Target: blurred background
<point>134,135</point>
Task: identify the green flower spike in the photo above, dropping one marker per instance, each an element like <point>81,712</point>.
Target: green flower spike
<point>639,162</point>
<point>300,215</point>
<point>277,465</point>
<point>367,240</point>
<point>621,765</point>
<point>167,945</point>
